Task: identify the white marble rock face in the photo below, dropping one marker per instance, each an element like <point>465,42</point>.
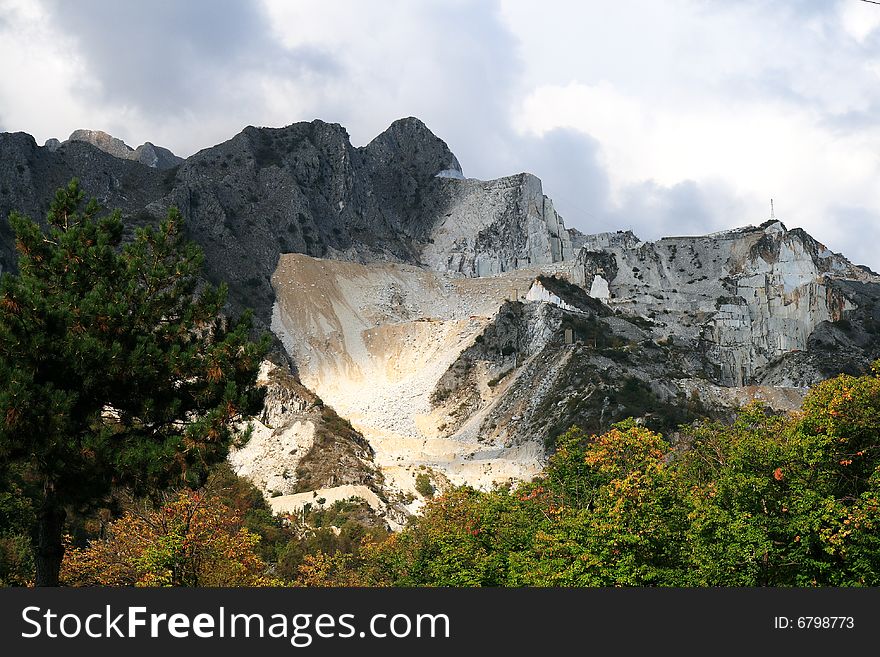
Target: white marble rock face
<point>744,297</point>
<point>496,226</point>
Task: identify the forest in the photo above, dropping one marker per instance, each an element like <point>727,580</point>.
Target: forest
<point>769,500</point>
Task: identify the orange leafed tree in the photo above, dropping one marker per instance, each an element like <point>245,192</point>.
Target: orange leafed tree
<point>192,540</point>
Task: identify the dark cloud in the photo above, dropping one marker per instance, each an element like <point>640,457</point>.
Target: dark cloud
<point>569,165</point>
<point>168,56</point>
<point>653,210</point>
<point>457,71</point>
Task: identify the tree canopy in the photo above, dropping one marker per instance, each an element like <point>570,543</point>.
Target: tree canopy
<point>117,364</point>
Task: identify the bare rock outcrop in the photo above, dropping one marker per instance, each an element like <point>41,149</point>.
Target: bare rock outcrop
<point>148,154</point>
<point>441,322</point>
<point>742,298</point>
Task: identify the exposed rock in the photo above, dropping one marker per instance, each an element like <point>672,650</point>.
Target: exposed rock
<point>463,375</point>
<point>466,374</point>
<point>433,312</point>
<point>490,227</point>
<point>280,456</point>
<point>302,189</point>
<point>375,341</point>
<point>152,156</point>
<point>743,298</point>
<point>107,143</point>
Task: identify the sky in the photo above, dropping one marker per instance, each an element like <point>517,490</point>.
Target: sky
<point>666,118</point>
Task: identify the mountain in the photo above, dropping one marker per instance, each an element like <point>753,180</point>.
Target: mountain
<point>148,154</point>
<point>432,324</point>
<point>303,189</point>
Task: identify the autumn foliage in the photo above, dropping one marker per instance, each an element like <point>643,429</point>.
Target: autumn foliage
<point>767,500</point>
<point>191,540</point>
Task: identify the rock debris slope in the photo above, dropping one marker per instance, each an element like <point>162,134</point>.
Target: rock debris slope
<point>375,342</point>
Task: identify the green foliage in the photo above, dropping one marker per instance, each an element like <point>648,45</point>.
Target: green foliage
<point>244,498</point>
<point>769,500</point>
<point>338,531</point>
<point>616,515</point>
<point>16,520</point>
<point>750,485</point>
<point>116,365</point>
<point>424,487</point>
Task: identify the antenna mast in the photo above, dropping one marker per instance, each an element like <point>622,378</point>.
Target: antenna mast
<point>772,213</point>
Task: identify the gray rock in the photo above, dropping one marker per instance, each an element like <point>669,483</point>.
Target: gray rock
<point>156,156</point>
<point>489,227</point>
<point>742,299</point>
<point>148,154</point>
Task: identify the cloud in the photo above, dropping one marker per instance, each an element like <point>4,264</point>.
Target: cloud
<point>168,57</point>
<point>852,230</point>
<point>452,64</point>
<point>570,164</point>
<point>188,75</point>
<point>860,20</point>
<point>686,208</point>
<point>719,105</point>
<point>196,70</point>
<point>683,117</point>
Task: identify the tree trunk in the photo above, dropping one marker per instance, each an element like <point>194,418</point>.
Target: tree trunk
<point>48,545</point>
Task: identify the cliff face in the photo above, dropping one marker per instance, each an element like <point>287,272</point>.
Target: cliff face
<point>490,227</point>
<point>300,189</point>
<point>741,298</point>
<point>296,437</point>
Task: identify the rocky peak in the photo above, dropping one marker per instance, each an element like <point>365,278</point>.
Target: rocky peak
<point>317,132</point>
<point>156,156</point>
<point>488,227</point>
<point>409,144</point>
<point>107,143</point>
<point>148,154</point>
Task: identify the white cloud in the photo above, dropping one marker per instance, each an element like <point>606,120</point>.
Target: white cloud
<point>749,99</point>
<point>859,19</point>
<point>42,73</point>
<point>761,149</point>
<point>682,115</point>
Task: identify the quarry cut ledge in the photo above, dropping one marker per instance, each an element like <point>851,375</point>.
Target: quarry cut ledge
<point>374,341</point>
<point>448,372</point>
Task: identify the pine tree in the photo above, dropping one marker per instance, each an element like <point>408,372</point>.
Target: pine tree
<point>117,367</point>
